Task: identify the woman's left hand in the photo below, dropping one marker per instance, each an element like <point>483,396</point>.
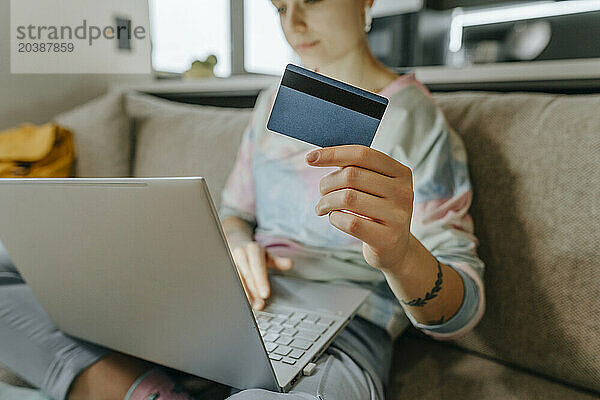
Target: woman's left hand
<point>378,190</point>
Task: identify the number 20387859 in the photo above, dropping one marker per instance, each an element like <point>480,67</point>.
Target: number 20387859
<point>48,47</point>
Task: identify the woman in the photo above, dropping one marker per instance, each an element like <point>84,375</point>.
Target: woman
<point>392,218</point>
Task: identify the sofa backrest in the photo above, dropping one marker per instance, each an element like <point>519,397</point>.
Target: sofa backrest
<point>173,139</point>
<point>535,165</point>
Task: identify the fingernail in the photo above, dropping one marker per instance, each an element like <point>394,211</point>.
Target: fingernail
<point>313,156</point>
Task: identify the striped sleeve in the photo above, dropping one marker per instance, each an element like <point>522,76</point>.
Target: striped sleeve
<point>442,223</point>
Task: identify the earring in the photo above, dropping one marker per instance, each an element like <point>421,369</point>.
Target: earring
<point>368,19</point>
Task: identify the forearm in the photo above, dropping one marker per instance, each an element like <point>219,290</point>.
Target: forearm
<point>431,294</point>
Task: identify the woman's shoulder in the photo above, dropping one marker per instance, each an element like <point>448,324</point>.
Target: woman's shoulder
<point>266,98</point>
<point>408,93</point>
<point>262,106</point>
<point>411,107</point>
<point>412,122</point>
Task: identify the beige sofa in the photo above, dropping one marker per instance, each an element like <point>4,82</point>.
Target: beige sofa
<point>535,166</point>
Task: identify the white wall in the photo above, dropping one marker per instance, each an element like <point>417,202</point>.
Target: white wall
<point>37,98</point>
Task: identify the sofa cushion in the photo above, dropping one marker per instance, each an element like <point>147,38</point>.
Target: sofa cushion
<point>428,370</point>
<point>535,161</point>
<point>174,139</point>
<point>102,139</point>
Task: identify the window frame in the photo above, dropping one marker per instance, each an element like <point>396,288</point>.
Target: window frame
<point>236,34</point>
<point>236,15</point>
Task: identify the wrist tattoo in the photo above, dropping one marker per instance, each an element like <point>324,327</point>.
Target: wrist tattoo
<point>421,301</point>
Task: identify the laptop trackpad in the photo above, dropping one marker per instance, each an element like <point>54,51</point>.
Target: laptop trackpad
<point>309,295</point>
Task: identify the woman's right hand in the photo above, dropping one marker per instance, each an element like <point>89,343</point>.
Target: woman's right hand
<point>252,261</point>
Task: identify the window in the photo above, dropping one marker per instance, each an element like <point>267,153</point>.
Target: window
<point>265,49</point>
<point>186,30</point>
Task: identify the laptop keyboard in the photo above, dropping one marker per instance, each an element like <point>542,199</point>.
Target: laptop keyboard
<point>288,335</point>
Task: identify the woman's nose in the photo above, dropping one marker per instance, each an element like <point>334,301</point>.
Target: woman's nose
<point>295,19</point>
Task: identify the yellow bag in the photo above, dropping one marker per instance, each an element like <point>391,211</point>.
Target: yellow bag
<point>31,151</point>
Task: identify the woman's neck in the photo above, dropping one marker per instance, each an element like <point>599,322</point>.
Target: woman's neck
<point>359,68</point>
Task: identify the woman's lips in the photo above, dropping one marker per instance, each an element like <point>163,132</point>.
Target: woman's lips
<point>306,46</point>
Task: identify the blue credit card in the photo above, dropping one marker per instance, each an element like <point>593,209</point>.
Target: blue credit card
<point>323,111</point>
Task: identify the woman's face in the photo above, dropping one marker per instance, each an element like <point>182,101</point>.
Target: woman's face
<point>322,31</point>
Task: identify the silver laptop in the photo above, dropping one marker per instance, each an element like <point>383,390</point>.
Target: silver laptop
<point>142,266</point>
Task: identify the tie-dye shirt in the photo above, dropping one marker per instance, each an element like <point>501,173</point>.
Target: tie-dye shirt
<point>273,188</point>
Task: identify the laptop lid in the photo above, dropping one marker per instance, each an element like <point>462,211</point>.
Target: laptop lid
<point>88,246</point>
